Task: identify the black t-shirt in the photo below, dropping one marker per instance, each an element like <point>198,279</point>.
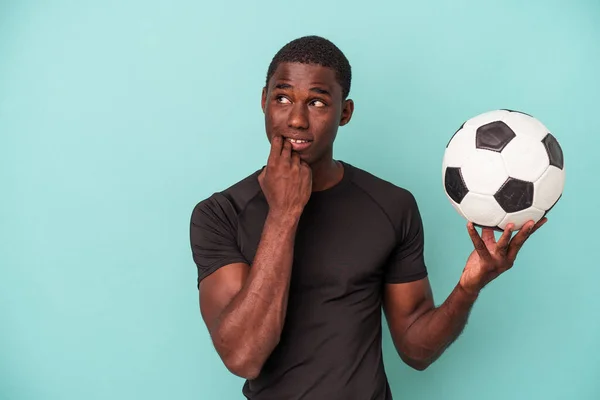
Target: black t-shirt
<point>352,239</point>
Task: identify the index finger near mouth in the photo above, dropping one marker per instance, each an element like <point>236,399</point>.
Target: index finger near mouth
<point>276,147</point>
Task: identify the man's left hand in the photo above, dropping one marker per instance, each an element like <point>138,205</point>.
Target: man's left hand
<point>489,259</point>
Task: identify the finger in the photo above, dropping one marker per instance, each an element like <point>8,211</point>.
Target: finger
<point>276,145</point>
<point>504,240</point>
<point>526,231</point>
<point>517,242</point>
<point>295,158</point>
<point>304,164</point>
<point>286,153</point>
<point>480,246</point>
<point>538,225</point>
<point>306,168</point>
<point>487,234</point>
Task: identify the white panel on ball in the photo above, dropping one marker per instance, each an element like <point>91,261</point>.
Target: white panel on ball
<point>524,125</point>
<point>519,218</point>
<point>525,158</point>
<point>547,189</point>
<point>456,206</point>
<point>485,118</point>
<point>459,148</point>
<point>484,172</point>
<point>482,209</point>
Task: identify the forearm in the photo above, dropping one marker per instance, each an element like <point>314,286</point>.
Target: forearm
<point>249,328</point>
<point>431,333</point>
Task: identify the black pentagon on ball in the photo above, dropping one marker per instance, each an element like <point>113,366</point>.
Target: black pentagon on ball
<point>493,136</point>
<point>455,184</point>
<point>555,154</point>
<point>515,195</point>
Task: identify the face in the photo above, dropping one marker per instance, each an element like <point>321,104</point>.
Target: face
<point>303,103</point>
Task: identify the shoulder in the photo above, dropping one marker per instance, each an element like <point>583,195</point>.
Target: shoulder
<point>229,202</point>
<point>398,202</point>
<point>383,191</point>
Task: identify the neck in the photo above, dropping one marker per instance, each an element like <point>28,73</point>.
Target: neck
<point>325,174</point>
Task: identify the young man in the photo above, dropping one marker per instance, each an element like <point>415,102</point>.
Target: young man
<point>296,261</point>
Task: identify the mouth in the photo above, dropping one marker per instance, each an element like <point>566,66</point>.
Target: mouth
<point>299,144</point>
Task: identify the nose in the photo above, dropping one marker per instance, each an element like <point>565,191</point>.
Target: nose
<point>298,117</point>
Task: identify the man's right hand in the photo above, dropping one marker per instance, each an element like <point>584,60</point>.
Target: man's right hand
<point>286,180</point>
<point>245,307</point>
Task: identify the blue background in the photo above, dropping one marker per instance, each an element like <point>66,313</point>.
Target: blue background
<point>116,118</point>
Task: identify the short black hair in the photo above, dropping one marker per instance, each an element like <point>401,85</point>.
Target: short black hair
<point>315,50</point>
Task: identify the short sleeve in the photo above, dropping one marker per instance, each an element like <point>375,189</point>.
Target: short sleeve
<point>213,233</point>
<point>407,262</point>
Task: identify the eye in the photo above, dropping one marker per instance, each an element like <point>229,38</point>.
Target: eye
<point>282,99</point>
<point>318,103</point>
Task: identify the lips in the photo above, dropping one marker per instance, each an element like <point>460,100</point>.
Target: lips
<point>299,144</point>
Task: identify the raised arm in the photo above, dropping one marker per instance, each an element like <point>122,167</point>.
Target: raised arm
<point>421,332</point>
<point>244,307</point>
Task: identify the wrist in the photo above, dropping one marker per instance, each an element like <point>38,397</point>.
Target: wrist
<point>284,218</point>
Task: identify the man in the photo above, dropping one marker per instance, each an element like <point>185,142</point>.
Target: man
<point>296,261</point>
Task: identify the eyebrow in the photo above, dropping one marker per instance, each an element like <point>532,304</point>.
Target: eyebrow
<point>312,89</point>
<point>320,91</point>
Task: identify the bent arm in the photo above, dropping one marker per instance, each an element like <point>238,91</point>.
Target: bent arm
<point>422,332</point>
<point>244,308</point>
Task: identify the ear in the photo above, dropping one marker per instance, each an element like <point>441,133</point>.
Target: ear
<point>347,111</point>
<point>263,100</point>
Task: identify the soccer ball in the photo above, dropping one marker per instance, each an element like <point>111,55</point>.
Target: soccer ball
<point>502,167</point>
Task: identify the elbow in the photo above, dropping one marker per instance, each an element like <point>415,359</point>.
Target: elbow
<point>418,365</point>
<point>243,359</point>
<point>243,367</point>
<point>416,356</point>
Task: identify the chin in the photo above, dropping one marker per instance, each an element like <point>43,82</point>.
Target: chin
<point>307,158</point>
